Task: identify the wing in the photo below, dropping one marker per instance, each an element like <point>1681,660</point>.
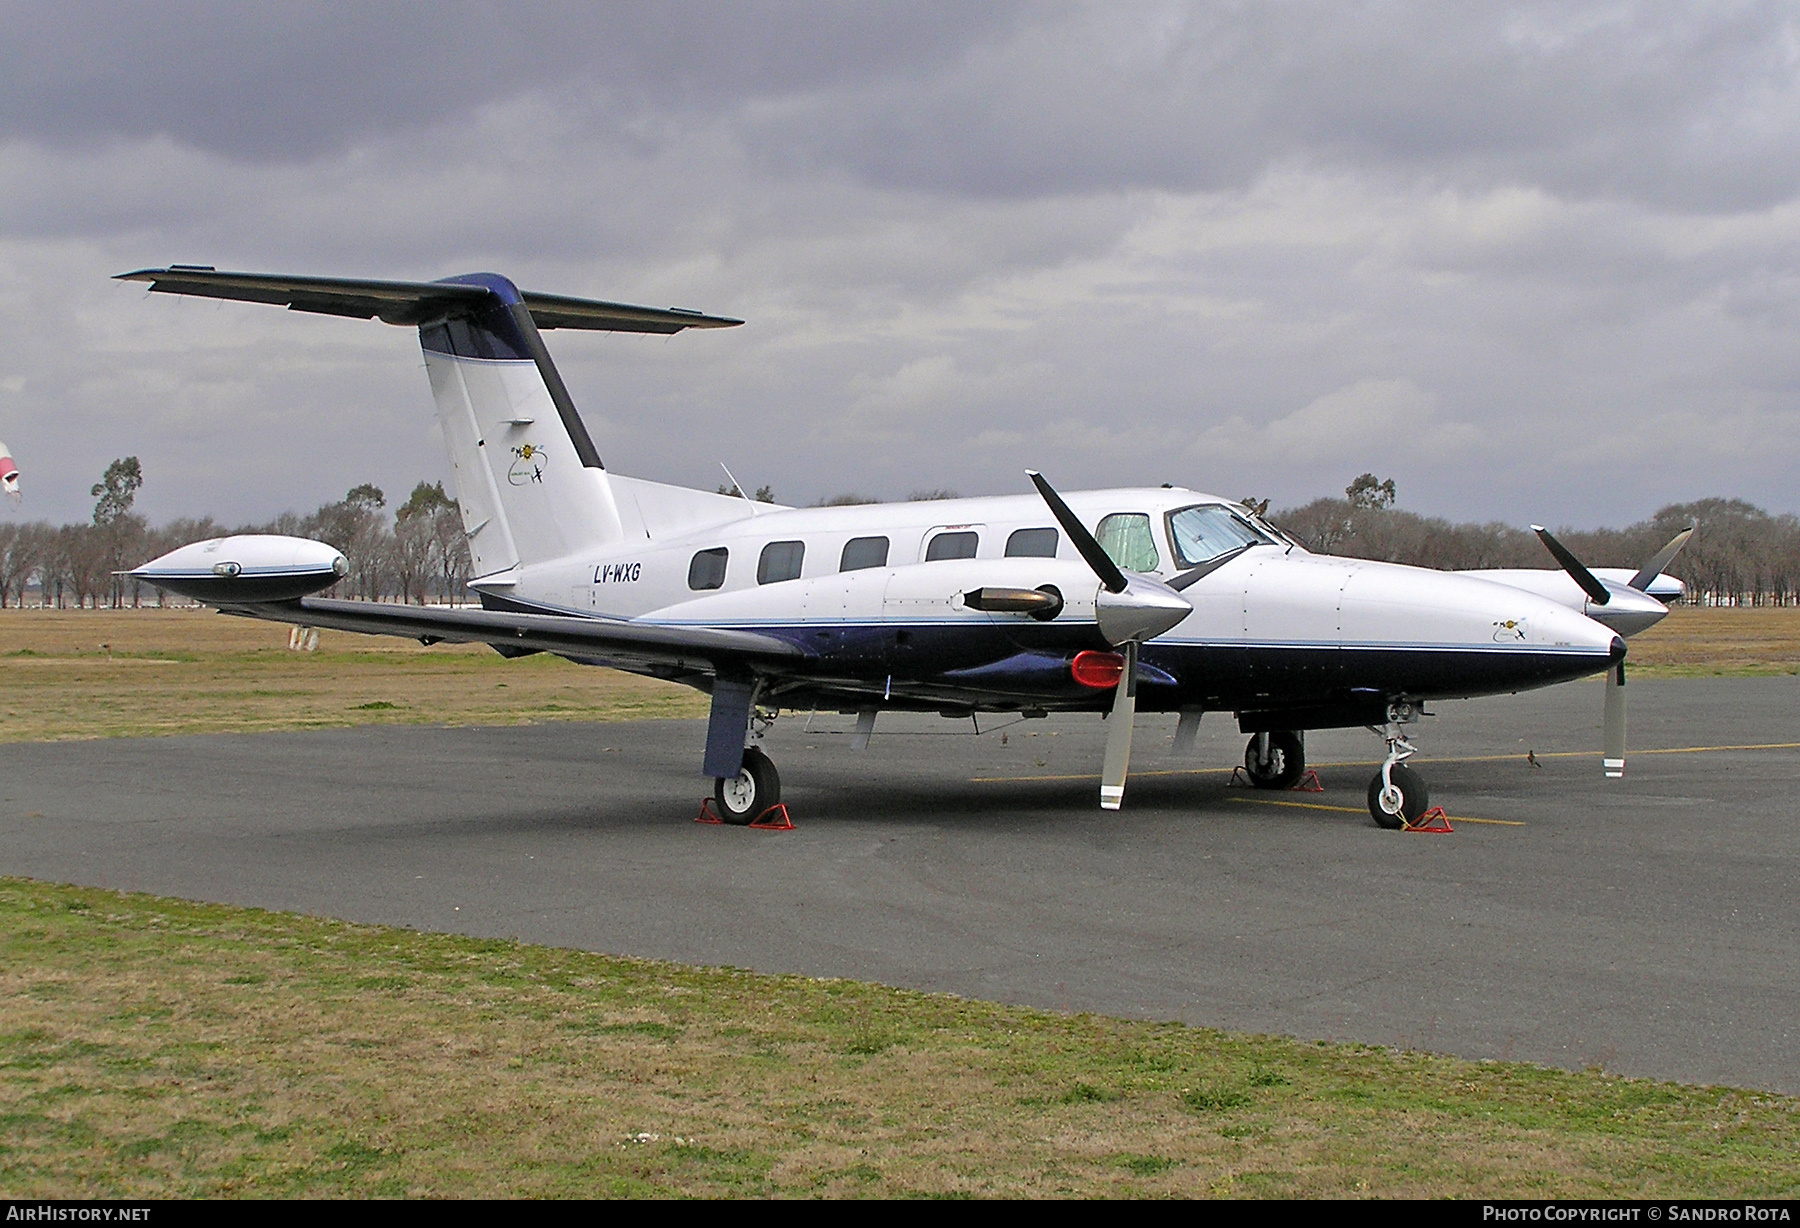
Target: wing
<point>415,302</point>
<point>644,645</point>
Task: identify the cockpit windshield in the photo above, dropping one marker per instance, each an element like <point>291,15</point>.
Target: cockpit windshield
<point>1204,533</point>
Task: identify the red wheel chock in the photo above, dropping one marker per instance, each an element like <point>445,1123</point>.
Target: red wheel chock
<point>775,818</point>
<point>1433,822</point>
<point>1309,783</point>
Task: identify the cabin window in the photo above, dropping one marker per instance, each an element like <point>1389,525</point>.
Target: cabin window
<point>708,569</point>
<point>952,546</point>
<point>1126,538</point>
<point>780,561</point>
<point>1031,544</point>
<point>1202,534</point>
<point>864,552</point>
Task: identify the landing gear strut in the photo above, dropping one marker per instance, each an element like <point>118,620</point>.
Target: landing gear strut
<point>1275,760</point>
<point>1397,794</point>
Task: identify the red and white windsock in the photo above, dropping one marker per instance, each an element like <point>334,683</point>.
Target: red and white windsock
<point>9,473</point>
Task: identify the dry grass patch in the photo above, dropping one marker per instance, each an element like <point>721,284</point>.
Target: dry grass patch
<point>1696,641</point>
<point>152,1047</point>
<point>103,673</point>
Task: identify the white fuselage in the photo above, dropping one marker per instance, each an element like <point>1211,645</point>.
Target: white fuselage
<point>1271,624</point>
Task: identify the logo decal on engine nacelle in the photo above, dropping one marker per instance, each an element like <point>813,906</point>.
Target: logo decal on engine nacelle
<point>1511,630</point>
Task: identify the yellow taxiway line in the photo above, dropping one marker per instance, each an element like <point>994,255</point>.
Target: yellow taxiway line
<point>1549,754</point>
<point>1271,801</point>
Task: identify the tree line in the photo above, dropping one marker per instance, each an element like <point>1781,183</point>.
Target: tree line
<point>1740,555</point>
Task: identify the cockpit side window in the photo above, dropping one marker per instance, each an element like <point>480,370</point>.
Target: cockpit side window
<point>1126,538</point>
<point>1203,533</point>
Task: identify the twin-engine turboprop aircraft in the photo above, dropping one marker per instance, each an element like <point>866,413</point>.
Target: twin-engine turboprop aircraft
<point>1106,601</point>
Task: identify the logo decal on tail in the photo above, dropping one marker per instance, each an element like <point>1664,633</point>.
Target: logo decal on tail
<point>528,465</point>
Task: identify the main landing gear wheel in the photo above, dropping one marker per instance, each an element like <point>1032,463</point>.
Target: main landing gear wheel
<point>1285,765</point>
<point>1408,800</point>
<point>755,788</point>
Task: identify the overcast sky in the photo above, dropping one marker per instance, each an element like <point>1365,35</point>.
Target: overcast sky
<point>1534,262</point>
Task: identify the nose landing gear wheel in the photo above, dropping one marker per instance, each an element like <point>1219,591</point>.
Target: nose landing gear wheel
<point>1402,806</point>
<point>755,788</point>
<point>1285,765</point>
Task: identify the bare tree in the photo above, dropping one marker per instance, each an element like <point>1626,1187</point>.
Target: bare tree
<point>357,526</point>
<point>119,530</point>
<point>415,540</point>
<point>31,548</point>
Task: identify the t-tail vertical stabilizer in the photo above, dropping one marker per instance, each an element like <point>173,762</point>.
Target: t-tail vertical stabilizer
<point>530,481</point>
<point>528,477</point>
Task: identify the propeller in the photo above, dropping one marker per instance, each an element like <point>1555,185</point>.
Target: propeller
<point>1590,583</point>
<point>1612,754</point>
<point>1118,738</point>
<point>1613,737</point>
<point>1654,568</point>
<point>1128,610</point>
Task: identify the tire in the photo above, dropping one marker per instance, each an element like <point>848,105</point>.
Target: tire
<point>1415,798</point>
<point>1287,761</point>
<point>756,788</point>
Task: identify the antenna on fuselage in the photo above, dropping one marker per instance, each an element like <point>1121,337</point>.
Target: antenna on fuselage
<point>737,487</point>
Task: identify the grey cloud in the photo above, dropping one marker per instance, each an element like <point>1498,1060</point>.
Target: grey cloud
<point>1689,105</point>
<point>288,81</point>
<point>1127,245</point>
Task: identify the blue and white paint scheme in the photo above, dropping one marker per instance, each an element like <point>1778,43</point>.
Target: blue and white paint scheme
<point>1107,601</point>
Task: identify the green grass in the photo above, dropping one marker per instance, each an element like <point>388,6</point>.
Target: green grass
<point>151,1047</point>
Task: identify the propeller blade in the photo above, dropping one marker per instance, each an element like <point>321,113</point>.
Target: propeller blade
<point>1195,574</point>
<point>1613,756</point>
<point>1590,583</point>
<point>1118,737</point>
<point>1110,576</point>
<point>1654,568</point>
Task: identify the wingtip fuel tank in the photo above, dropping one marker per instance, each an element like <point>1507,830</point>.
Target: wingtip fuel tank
<point>248,568</point>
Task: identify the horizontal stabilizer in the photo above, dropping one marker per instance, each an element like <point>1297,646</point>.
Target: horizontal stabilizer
<point>415,302</point>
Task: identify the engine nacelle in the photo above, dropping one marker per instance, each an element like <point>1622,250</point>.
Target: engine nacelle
<point>246,568</point>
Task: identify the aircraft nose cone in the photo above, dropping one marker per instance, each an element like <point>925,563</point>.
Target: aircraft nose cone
<point>1145,610</point>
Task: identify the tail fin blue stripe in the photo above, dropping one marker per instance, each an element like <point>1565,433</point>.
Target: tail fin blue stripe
<point>502,329</point>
